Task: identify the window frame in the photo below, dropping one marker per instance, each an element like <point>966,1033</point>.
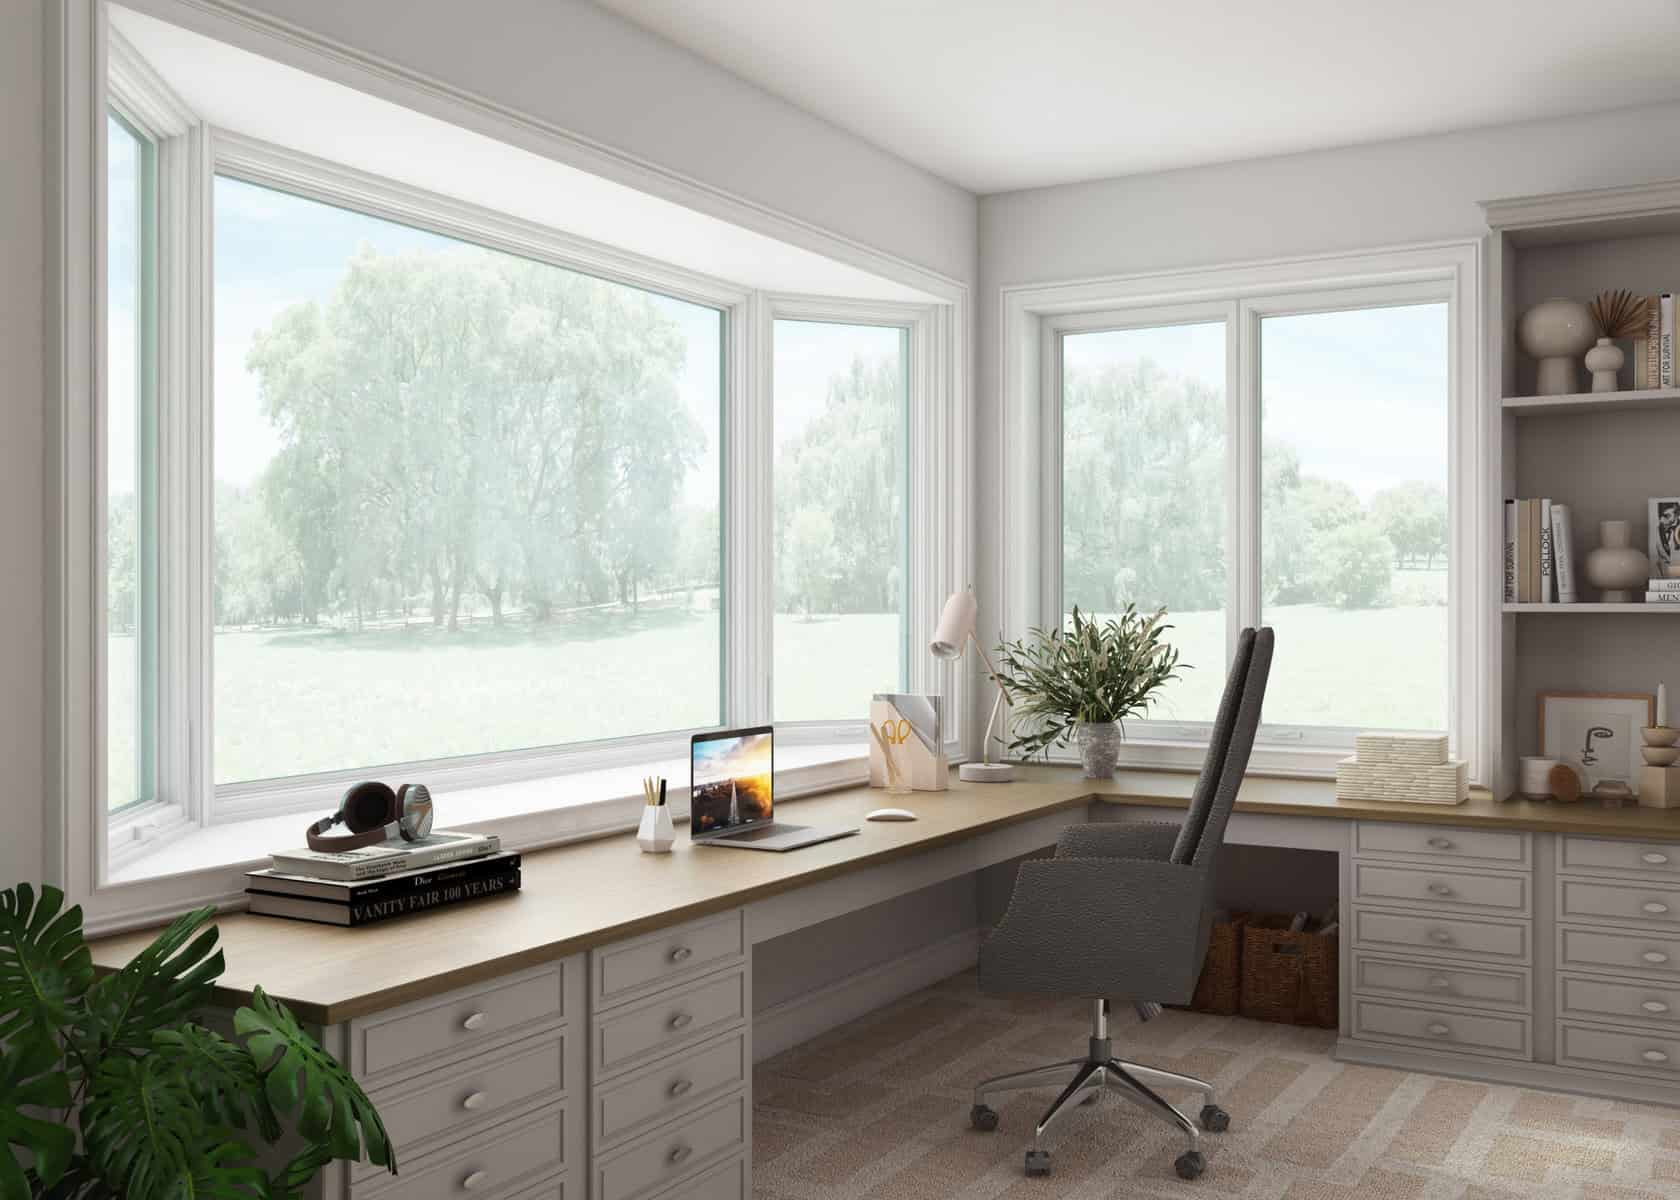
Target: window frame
<point>87,63</point>
<point>1035,318</point>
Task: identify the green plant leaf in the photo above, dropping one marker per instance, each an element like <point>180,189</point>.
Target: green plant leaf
<point>163,985</point>
<point>142,1126</point>
<point>300,1076</point>
<point>32,1076</point>
<point>45,965</point>
<point>289,1183</point>
<point>221,1075</point>
<point>223,1171</point>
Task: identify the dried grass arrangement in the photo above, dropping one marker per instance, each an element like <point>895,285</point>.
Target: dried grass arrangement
<point>1619,314</point>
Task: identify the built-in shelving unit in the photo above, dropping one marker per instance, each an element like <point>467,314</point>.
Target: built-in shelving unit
<point>1604,454</point>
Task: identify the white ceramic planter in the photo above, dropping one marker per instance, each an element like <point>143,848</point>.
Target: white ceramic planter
<point>1099,747</point>
<point>1557,332</point>
<point>1616,568</point>
<point>1605,361</point>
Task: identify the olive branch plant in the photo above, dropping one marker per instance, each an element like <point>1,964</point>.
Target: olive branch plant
<point>1093,671</point>
<point>111,1087</point>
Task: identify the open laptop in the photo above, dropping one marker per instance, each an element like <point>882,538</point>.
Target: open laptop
<point>731,781</point>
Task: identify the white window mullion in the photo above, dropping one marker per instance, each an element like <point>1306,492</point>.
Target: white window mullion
<point>748,515</point>
<point>1246,446</point>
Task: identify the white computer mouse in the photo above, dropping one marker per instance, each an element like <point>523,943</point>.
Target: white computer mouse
<point>891,814</point>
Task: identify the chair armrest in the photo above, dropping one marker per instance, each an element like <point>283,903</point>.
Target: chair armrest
<point>1152,840</point>
<point>1100,927</point>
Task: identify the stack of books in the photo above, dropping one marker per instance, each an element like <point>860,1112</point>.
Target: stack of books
<point>1662,591</point>
<point>1404,768</point>
<point>376,883</point>
<point>1653,354</point>
<point>1539,553</point>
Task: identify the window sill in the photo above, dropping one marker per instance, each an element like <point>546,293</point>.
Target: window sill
<point>526,815</point>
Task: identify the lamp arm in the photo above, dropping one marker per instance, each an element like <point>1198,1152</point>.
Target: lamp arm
<point>997,705</point>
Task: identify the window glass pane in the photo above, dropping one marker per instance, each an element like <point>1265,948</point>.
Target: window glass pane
<point>465,502</point>
<point>125,161</point>
<point>1143,492</point>
<point>840,420</point>
<point>1354,516</point>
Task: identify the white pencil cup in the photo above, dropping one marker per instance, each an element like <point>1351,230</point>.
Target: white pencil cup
<point>655,834</point>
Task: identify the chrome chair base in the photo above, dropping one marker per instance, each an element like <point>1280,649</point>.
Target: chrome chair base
<point>1093,1075</point>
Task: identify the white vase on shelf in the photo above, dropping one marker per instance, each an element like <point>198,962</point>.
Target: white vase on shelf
<point>1616,568</point>
<point>1604,361</point>
<point>1556,332</point>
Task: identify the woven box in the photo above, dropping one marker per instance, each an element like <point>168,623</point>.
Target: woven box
<point>1219,988</point>
<point>1288,977</point>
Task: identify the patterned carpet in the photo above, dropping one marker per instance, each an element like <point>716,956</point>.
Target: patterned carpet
<point>878,1109</point>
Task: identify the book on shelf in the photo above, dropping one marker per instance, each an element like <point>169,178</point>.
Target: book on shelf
<point>1665,355</point>
<point>1653,341</point>
<point>1563,554</point>
<point>1510,552</point>
<point>371,862</point>
<point>1664,585</point>
<point>1548,576</point>
<point>1663,597</point>
<point>279,883</point>
<point>1524,552</point>
<point>384,908</point>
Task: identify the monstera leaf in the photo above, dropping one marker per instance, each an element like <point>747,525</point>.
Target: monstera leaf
<point>45,966</point>
<point>300,1076</point>
<point>163,985</point>
<point>222,1075</point>
<point>142,1125</point>
<point>30,1079</point>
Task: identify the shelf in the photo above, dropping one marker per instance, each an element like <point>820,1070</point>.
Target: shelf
<point>1588,402</point>
<point>1560,610</point>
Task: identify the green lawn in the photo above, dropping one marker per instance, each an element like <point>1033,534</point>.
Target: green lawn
<point>294,701</point>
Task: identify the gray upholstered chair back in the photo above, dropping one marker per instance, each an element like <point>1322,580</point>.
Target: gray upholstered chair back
<point>1203,831</point>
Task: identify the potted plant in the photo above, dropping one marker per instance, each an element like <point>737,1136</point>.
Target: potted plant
<point>111,1088</point>
<point>1082,682</point>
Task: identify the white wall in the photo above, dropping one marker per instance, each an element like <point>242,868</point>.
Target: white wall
<point>1360,197</point>
<point>562,61</point>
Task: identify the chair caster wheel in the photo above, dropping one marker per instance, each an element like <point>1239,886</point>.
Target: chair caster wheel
<point>1038,1162</point>
<point>1215,1119</point>
<point>1190,1164</point>
<point>983,1117</point>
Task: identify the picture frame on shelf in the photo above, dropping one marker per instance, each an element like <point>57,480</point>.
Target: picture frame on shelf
<point>1663,517</point>
<point>1597,733</point>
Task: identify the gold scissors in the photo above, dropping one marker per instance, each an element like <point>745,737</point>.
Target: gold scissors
<point>896,732</point>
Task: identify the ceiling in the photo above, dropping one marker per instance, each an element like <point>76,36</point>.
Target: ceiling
<point>996,95</point>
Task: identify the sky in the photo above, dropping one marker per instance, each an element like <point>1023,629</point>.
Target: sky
<point>122,282</point>
<point>731,758</point>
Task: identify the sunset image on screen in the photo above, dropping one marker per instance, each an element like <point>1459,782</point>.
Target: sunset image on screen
<point>731,782</point>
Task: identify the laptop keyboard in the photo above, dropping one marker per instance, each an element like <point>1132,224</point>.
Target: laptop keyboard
<point>769,831</point>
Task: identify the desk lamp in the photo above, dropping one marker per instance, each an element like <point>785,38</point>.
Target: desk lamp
<point>950,639</point>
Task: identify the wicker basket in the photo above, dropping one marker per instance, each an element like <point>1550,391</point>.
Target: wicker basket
<point>1288,977</point>
<point>1219,988</point>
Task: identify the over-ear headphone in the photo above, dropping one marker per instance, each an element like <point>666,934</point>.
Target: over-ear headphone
<point>365,811</point>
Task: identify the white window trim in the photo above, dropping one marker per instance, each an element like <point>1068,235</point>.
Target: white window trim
<point>78,66</point>
<point>1028,578</point>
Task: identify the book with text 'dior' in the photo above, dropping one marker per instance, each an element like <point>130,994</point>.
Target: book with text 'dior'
<point>371,862</point>
<point>398,883</point>
<point>384,908</point>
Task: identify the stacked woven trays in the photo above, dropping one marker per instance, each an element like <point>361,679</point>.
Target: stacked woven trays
<point>1405,768</point>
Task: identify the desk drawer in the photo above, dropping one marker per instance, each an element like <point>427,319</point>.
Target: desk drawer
<point>1413,980</point>
<point>1611,1000</point>
<point>1505,895</point>
<point>629,1104</point>
<point>416,1035</point>
<point>1617,1050</point>
<point>1483,938</point>
<point>1633,953</point>
<point>1442,1028</point>
<point>1618,903</point>
<point>662,1158</point>
<point>627,969</point>
<point>508,1156</point>
<point>627,1036</point>
<point>1440,843</point>
<point>731,1181</point>
<point>418,1112</point>
<point>1656,860</point>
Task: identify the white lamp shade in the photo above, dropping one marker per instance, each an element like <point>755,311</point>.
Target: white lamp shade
<point>956,623</point>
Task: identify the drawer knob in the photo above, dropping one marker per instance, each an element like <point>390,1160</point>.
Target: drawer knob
<point>1440,889</point>
<point>1655,858</point>
<point>1654,956</point>
<point>475,1180</point>
<point>473,1101</point>
<point>1655,907</point>
<point>1654,1056</point>
<point>678,1153</point>
<point>1654,1006</point>
<point>1440,935</point>
<point>1440,843</point>
<point>1439,1029</point>
<point>681,954</point>
<point>474,1021</point>
<point>681,1021</point>
<point>680,1087</point>
<point>1440,983</point>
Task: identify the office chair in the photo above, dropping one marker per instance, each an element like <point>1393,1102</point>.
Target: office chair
<point>1124,911</point>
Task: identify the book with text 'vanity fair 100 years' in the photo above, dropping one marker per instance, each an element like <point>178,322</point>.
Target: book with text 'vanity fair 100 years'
<point>385,908</point>
<point>279,883</point>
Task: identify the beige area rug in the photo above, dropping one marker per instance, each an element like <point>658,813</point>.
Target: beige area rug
<point>879,1109</point>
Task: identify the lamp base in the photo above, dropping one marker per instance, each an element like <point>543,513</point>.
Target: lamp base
<point>980,772</point>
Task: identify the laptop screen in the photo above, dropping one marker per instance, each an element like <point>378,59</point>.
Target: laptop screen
<point>730,780</point>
